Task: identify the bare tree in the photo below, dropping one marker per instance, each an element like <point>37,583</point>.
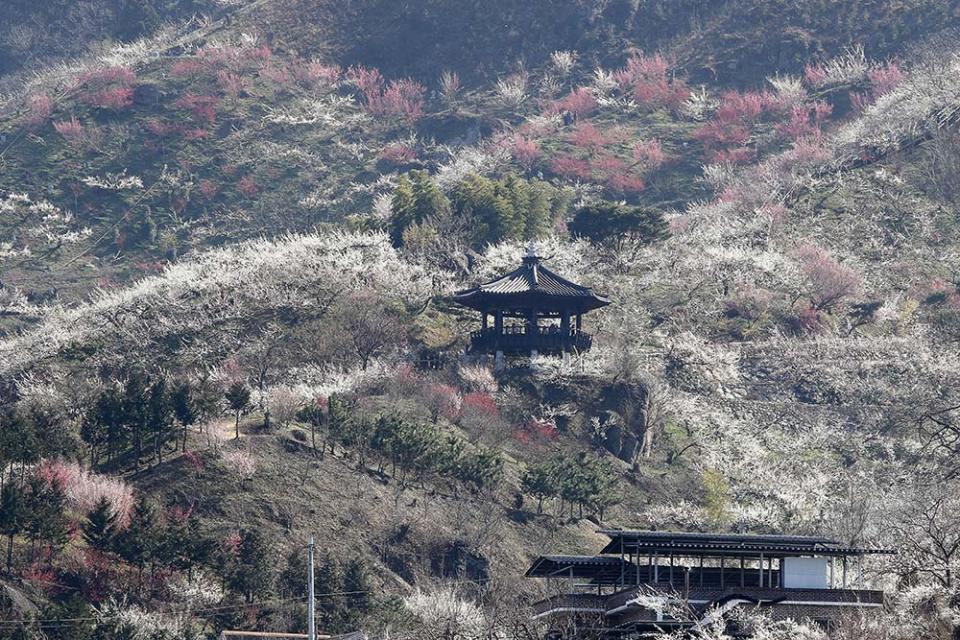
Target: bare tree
<point>371,328</point>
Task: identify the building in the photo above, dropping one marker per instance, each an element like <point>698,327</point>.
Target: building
<point>530,311</point>
<point>702,574</point>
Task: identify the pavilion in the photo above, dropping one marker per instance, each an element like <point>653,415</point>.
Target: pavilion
<point>703,574</point>
<point>533,310</point>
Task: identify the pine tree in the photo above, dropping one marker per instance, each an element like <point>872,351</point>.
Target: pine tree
<point>356,584</point>
<point>134,412</point>
<point>100,529</point>
<point>238,397</point>
<point>102,426</point>
<point>184,406</point>
<point>328,580</point>
<point>402,208</point>
<point>139,543</point>
<point>159,416</point>
<point>11,516</point>
<point>539,481</point>
<point>252,567</point>
<point>45,509</point>
<point>338,419</point>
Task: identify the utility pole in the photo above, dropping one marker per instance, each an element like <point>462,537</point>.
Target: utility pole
<point>311,613</point>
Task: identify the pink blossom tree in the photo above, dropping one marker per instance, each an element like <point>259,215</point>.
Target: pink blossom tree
<point>828,282</point>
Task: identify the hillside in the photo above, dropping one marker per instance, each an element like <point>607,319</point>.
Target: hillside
<point>226,255</point>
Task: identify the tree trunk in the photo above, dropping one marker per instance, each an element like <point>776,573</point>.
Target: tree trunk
<point>237,436</point>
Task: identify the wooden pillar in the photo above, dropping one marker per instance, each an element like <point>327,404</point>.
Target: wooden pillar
<point>721,571</point>
<point>701,570</point>
<point>671,568</point>
<point>656,566</point>
<point>483,320</point>
<point>622,564</point>
<point>761,570</point>
<point>742,571</point>
<point>844,572</point>
<point>498,322</point>
<point>579,322</point>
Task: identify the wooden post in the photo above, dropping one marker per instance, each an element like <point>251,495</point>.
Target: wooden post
<point>622,565</point>
<point>656,566</point>
<point>701,570</point>
<point>761,569</point>
<point>742,571</point>
<point>844,572</point>
<point>311,607</point>
<point>721,571</point>
<point>671,568</point>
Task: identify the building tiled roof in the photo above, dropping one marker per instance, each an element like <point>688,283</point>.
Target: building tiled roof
<point>722,544</point>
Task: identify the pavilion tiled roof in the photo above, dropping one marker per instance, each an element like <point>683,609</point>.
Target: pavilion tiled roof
<point>534,281</point>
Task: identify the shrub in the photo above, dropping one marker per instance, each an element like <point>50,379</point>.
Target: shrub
<point>241,463</point>
<point>587,136</point>
<point>649,154</point>
<point>84,489</point>
<point>275,74</point>
<point>805,120</point>
<point>524,150</point>
<point>399,99</point>
<point>478,378</point>
<point>247,186</point>
<point>626,183</point>
<point>71,130</point>
<point>188,67</point>
<point>39,110</point>
<point>828,282</point>
<point>232,84</point>
<point>646,78</point>
<point>571,167</point>
<point>316,73</point>
<point>885,79</point>
<point>578,103</point>
<point>738,107</point>
<point>397,153</point>
<point>110,88</point>
<point>815,75</point>
<point>203,109</point>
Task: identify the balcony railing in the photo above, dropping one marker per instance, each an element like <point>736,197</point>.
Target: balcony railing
<point>518,340</point>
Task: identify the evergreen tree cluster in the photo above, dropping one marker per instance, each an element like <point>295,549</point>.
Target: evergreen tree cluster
<point>583,481</point>
<point>411,449</point>
<point>342,589</point>
<point>480,209</point>
<point>143,415</point>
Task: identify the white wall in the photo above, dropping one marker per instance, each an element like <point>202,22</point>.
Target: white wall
<point>805,573</point>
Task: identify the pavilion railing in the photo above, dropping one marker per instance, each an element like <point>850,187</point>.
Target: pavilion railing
<point>546,340</point>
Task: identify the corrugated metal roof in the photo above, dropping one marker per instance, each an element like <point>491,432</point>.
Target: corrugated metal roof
<point>693,536</point>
